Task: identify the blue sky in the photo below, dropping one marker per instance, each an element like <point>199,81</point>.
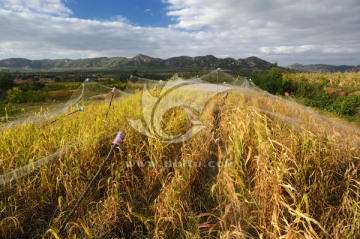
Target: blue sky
<point>136,12</point>
<point>283,31</point>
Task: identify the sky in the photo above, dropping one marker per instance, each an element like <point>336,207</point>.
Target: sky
<point>282,31</point>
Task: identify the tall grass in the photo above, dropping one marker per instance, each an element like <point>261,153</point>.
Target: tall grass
<point>349,80</point>
<point>263,167</point>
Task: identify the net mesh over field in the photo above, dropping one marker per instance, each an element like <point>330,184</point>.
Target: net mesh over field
<point>191,96</point>
<point>196,92</point>
<point>87,93</point>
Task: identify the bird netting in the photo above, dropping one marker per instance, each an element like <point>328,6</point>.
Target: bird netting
<point>88,92</point>
<point>189,97</point>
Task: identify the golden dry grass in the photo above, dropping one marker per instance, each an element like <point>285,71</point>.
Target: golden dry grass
<point>262,168</point>
<point>334,79</point>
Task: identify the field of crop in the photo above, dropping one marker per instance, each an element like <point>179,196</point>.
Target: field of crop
<point>335,79</point>
<point>262,167</point>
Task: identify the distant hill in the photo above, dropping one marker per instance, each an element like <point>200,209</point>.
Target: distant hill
<point>324,68</point>
<point>141,62</point>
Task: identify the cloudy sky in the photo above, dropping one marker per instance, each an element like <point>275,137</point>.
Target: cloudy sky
<point>285,31</point>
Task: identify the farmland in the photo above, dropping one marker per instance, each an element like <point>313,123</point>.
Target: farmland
<point>263,166</point>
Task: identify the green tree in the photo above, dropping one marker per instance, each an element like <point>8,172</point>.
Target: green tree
<point>195,72</point>
<point>134,72</point>
<point>270,80</point>
<point>6,81</point>
<point>273,82</point>
<point>14,95</point>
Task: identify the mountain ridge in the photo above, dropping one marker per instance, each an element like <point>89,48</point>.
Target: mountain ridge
<point>139,61</point>
<point>324,68</point>
<point>144,62</point>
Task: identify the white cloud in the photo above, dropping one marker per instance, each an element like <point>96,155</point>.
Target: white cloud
<point>56,35</point>
<point>119,18</point>
<point>275,29</point>
<point>53,7</point>
<point>288,49</point>
<point>341,49</point>
<point>323,31</point>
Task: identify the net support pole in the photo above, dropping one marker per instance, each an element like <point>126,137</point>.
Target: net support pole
<point>112,97</point>
<point>79,109</point>
<point>116,143</point>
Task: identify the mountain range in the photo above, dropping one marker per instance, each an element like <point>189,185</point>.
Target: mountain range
<point>324,68</point>
<point>140,62</point>
<point>147,63</point>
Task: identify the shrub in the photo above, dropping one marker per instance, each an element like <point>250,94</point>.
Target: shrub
<point>289,86</point>
<point>14,95</point>
<point>5,80</point>
<point>346,105</point>
<point>34,96</point>
<point>308,90</point>
<point>270,80</point>
<point>322,100</point>
<point>7,110</point>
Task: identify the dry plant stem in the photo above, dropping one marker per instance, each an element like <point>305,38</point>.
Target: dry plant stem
<point>108,157</point>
